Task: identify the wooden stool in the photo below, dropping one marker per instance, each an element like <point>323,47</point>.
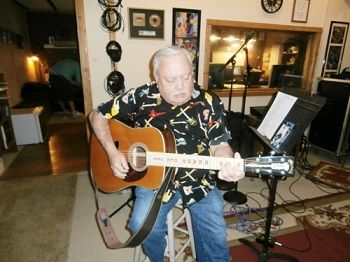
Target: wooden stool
<point>173,222</point>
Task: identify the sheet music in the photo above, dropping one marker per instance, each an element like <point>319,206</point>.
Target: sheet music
<point>276,114</point>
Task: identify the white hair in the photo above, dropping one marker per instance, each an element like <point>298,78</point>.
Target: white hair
<point>167,52</point>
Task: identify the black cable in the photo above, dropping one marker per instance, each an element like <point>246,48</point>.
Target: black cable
<point>304,148</point>
<point>108,4</point>
<point>297,218</point>
<point>114,50</point>
<point>305,232</point>
<point>112,20</point>
<point>114,83</point>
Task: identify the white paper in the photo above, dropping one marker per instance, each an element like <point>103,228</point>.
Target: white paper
<point>301,10</point>
<point>276,114</point>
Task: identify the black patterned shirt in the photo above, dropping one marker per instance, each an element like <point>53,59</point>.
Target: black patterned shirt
<point>196,125</point>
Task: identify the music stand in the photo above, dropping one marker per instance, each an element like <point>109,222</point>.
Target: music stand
<point>300,115</point>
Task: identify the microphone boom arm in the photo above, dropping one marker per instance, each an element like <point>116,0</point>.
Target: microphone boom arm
<point>232,59</point>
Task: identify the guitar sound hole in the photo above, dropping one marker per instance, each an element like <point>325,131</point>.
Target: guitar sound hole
<point>137,157</point>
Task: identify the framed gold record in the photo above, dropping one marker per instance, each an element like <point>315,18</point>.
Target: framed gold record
<point>146,23</point>
<point>155,20</point>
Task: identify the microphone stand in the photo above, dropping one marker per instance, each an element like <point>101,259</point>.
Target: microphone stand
<point>232,61</point>
<point>234,196</point>
<point>244,97</point>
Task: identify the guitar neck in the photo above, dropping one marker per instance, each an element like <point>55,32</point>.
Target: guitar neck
<point>191,161</point>
<point>269,165</point>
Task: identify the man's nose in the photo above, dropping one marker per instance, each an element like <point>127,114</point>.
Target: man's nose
<point>179,83</point>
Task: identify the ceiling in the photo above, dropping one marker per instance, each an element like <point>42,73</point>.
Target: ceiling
<point>47,6</point>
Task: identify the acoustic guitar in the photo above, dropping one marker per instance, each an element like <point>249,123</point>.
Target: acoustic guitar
<point>149,151</point>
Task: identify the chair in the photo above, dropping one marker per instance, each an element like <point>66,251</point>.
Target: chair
<point>175,218</point>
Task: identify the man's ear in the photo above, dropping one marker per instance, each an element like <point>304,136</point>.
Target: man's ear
<point>156,77</point>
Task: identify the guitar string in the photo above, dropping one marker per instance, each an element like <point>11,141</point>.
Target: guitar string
<point>247,160</point>
<point>141,160</point>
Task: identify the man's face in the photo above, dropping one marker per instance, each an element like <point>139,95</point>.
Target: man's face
<point>175,79</point>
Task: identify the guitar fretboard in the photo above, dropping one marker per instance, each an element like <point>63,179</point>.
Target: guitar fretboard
<point>190,161</point>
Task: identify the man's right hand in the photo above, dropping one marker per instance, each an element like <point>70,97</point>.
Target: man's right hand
<point>117,160</point>
<point>119,165</point>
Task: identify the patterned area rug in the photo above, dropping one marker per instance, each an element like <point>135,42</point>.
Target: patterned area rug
<point>325,238</point>
<point>331,175</point>
<point>252,222</point>
<point>325,217</point>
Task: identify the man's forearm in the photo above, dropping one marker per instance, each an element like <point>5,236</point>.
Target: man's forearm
<point>101,129</point>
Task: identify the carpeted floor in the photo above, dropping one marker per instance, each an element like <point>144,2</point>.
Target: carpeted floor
<point>331,175</point>
<point>253,221</point>
<point>325,238</point>
<point>38,223</point>
<point>321,231</point>
<point>36,217</point>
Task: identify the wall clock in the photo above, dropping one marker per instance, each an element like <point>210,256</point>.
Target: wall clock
<point>271,6</point>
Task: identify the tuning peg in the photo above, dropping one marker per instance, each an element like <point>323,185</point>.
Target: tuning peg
<point>272,153</point>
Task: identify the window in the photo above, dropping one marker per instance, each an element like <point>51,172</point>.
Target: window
<point>270,45</point>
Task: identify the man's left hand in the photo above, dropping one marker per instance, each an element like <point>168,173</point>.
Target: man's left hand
<point>231,173</point>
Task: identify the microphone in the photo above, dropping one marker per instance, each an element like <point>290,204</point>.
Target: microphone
<point>249,36</point>
<point>231,60</point>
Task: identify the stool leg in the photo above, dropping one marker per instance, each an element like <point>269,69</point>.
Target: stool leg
<point>190,232</point>
<point>172,226</point>
<point>137,255</point>
<point>171,237</point>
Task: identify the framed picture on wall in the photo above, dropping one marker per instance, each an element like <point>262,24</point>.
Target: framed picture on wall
<point>186,33</point>
<point>300,11</point>
<point>146,23</point>
<point>335,48</point>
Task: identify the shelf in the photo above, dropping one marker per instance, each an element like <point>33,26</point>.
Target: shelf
<point>48,46</point>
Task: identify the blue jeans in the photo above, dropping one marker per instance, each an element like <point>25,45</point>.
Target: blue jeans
<point>209,227</point>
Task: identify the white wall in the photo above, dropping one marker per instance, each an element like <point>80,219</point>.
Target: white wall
<point>137,53</point>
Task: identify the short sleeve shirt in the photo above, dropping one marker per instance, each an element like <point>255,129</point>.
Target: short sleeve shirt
<point>196,125</point>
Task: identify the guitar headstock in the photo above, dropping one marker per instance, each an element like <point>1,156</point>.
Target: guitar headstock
<point>274,166</point>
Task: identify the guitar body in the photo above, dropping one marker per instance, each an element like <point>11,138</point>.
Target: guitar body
<point>125,137</point>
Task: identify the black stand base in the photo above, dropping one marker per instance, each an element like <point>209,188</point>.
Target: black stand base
<point>130,199</point>
<point>126,203</point>
<point>264,255</point>
<point>235,197</point>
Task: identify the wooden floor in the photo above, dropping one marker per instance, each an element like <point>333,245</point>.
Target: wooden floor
<point>65,149</point>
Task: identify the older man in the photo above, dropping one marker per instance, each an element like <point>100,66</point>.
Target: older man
<point>196,118</point>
